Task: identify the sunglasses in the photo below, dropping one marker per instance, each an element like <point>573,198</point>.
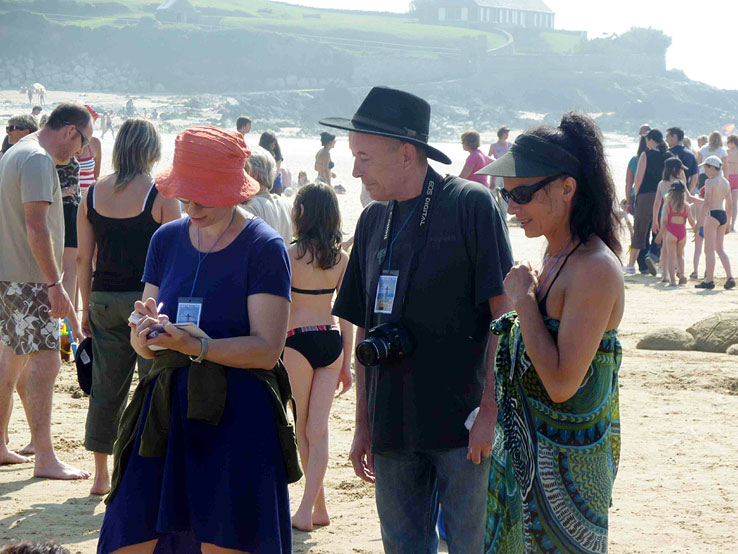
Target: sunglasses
<point>524,193</point>
<point>83,138</point>
<point>10,128</point>
<point>186,203</point>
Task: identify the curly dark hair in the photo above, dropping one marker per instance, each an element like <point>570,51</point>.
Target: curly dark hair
<point>318,224</point>
<point>593,206</point>
<point>32,547</point>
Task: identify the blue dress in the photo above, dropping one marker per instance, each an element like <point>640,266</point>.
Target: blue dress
<point>224,484</point>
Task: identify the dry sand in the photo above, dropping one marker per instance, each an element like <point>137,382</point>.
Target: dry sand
<point>676,490</point>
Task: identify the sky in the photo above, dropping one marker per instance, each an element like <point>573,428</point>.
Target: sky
<point>703,39</point>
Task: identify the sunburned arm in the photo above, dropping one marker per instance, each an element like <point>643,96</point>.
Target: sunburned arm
<point>85,255</point>
<point>724,159</point>
<point>640,172</point>
<point>562,364</point>
<point>39,239</point>
<point>268,316</point>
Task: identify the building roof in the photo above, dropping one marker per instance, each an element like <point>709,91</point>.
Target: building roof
<point>177,6</point>
<point>521,5</point>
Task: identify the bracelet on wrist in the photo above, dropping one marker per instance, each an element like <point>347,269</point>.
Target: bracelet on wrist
<point>55,284</point>
<point>203,351</point>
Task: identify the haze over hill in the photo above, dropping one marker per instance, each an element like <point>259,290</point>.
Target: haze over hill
<point>290,64</point>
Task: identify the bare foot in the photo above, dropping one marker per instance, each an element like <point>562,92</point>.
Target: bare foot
<point>27,450</point>
<point>321,519</point>
<point>59,470</point>
<point>100,486</point>
<point>12,458</point>
<point>301,522</point>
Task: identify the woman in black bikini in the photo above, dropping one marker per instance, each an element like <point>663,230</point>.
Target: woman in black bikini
<point>323,164</point>
<point>317,356</point>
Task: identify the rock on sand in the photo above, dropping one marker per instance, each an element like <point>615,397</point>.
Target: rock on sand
<point>667,339</point>
<point>716,333</point>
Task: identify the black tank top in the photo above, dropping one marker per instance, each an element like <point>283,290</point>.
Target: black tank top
<point>654,171</point>
<point>122,244</point>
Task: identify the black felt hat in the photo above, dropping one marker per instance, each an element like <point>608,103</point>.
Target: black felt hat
<point>392,113</point>
<point>83,361</point>
<point>532,156</point>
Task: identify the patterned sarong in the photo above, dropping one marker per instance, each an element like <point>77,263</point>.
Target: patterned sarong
<point>553,465</point>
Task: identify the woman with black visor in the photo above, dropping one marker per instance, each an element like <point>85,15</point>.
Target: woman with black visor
<point>557,439</point>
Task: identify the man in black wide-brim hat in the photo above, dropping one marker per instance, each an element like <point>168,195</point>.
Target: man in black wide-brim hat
<point>423,283</point>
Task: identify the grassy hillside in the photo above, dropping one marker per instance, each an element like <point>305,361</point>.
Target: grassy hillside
<point>264,15</point>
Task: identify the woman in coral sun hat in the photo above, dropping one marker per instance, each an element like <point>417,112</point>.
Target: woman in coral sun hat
<point>201,460</point>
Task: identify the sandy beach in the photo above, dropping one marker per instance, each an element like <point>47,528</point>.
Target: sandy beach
<point>676,490</point>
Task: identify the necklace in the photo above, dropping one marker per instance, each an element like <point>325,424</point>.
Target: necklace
<point>553,266</point>
<point>199,259</point>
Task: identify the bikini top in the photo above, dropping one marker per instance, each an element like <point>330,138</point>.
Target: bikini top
<point>313,291</point>
<point>542,301</point>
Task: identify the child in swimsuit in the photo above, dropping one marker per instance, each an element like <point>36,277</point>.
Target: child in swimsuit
<point>714,217</point>
<point>317,356</point>
<point>673,233</point>
<point>673,173</point>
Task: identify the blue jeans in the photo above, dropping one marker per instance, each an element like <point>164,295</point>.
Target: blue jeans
<point>409,487</point>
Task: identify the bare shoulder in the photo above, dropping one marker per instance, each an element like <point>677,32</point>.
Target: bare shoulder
<point>598,266</point>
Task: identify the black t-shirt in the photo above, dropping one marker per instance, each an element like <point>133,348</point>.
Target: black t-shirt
<point>688,159</point>
<point>422,401</point>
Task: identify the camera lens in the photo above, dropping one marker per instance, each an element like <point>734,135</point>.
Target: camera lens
<point>367,353</point>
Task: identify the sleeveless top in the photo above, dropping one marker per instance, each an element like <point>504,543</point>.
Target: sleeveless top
<point>86,172</point>
<point>542,301</point>
<point>654,171</point>
<point>122,245</point>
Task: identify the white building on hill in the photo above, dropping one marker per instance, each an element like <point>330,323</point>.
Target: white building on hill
<point>529,14</point>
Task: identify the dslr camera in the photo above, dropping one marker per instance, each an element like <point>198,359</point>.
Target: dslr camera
<point>383,343</point>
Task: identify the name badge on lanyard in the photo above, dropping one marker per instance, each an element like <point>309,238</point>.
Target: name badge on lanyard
<point>386,291</point>
<point>189,310</point>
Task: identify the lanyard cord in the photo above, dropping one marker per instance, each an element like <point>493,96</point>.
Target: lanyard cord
<point>394,238</point>
<point>200,260</point>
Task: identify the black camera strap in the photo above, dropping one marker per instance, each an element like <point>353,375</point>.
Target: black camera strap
<point>431,189</point>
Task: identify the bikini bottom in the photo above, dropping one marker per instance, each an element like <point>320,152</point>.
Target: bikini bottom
<point>321,345</point>
<point>720,216</point>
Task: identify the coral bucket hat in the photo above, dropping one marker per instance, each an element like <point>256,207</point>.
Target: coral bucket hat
<point>208,168</point>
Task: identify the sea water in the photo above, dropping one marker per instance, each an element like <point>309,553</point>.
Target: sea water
<point>299,155</point>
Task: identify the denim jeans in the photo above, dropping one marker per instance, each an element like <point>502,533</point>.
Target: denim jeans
<point>409,488</point>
